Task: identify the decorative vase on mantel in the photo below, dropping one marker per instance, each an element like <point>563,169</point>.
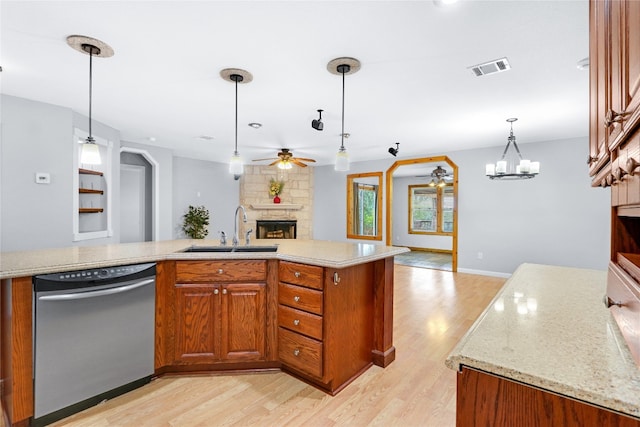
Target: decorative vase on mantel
<point>276,199</point>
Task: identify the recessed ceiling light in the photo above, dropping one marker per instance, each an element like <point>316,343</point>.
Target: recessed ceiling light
<point>255,125</point>
<point>583,64</point>
<point>152,139</point>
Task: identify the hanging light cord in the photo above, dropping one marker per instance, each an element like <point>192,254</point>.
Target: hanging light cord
<point>235,152</point>
<point>342,134</point>
<point>90,87</point>
<point>511,139</point>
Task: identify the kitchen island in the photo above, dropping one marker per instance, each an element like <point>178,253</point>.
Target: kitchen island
<point>547,352</point>
<point>228,311</point>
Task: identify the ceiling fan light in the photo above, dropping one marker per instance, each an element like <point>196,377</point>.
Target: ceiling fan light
<point>285,165</point>
<point>236,166</point>
<point>90,153</point>
<point>342,160</point>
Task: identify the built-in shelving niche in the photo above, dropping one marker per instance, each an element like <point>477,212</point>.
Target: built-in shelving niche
<point>92,192</point>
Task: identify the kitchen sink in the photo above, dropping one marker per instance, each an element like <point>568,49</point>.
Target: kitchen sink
<point>273,248</point>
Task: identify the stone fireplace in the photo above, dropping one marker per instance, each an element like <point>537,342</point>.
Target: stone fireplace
<point>296,200</point>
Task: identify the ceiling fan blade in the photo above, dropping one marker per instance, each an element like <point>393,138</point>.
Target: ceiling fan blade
<point>273,163</point>
<point>260,160</point>
<point>305,159</point>
<point>298,162</point>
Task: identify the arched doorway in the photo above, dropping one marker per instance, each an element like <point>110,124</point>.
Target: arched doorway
<point>424,165</point>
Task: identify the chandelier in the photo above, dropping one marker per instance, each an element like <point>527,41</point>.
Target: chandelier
<point>511,165</point>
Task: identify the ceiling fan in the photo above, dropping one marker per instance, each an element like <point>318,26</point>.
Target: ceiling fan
<point>285,160</point>
<point>439,177</point>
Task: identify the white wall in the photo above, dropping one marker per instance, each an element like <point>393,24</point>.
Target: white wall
<point>556,218</point>
<point>200,182</point>
<point>38,137</point>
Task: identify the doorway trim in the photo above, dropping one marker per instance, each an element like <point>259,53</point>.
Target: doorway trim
<point>389,200</point>
<point>156,187</point>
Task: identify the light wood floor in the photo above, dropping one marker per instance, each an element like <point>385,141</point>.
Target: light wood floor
<point>433,309</point>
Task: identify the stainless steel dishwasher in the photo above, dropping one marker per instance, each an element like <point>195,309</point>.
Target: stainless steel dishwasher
<point>93,335</point>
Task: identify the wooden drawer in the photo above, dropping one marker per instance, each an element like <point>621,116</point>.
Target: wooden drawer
<point>221,271</point>
<point>300,352</point>
<point>301,274</point>
<point>300,321</point>
<point>624,293</point>
<point>301,298</point>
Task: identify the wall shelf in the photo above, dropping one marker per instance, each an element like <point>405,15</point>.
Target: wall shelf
<point>276,206</point>
<point>90,191</point>
<point>89,172</point>
<point>90,210</point>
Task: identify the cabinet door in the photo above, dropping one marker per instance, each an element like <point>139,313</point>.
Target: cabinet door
<point>598,91</point>
<point>197,323</point>
<point>631,33</point>
<point>243,321</point>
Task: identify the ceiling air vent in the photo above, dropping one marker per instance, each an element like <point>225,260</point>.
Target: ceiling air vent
<point>495,66</point>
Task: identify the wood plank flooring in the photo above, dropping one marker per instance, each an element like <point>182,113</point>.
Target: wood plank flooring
<point>432,310</point>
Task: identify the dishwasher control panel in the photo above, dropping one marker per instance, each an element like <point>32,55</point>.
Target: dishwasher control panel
<point>94,276</point>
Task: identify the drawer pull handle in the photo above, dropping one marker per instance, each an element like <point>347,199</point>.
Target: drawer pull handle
<point>608,302</point>
<point>336,278</point>
<point>296,352</point>
<point>296,322</point>
<point>631,166</point>
<point>224,291</point>
<point>220,271</point>
<point>296,298</point>
<point>216,292</point>
<point>297,274</point>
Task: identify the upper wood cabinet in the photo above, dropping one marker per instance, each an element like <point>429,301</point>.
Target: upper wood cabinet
<point>614,83</point>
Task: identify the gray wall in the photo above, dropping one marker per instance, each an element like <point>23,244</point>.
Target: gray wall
<point>556,218</point>
<point>37,137</point>
<point>200,182</point>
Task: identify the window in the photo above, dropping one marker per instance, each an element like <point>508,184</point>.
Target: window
<point>364,212</point>
<point>431,209</point>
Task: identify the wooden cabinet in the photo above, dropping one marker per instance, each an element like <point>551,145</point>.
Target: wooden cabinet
<point>486,399</point>
<point>214,312</point>
<point>614,83</point>
<point>326,323</point>
<point>615,143</point>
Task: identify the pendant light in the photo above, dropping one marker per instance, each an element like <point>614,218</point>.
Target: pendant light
<point>512,166</point>
<point>236,76</point>
<point>343,66</point>
<point>90,152</point>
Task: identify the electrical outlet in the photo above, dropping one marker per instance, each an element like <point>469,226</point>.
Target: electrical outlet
<point>43,178</point>
<point>480,255</point>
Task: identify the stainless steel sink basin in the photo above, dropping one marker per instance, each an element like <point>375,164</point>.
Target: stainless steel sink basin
<point>273,248</point>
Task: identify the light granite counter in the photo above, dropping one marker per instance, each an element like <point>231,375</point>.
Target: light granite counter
<point>314,252</point>
<point>548,327</point>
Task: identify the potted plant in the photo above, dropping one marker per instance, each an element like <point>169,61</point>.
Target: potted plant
<point>195,222</point>
<point>275,188</point>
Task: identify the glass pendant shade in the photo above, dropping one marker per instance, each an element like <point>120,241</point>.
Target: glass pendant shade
<point>90,153</point>
<point>342,160</point>
<point>235,165</point>
<point>285,165</point>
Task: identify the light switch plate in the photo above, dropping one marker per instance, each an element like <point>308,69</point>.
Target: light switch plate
<point>43,178</point>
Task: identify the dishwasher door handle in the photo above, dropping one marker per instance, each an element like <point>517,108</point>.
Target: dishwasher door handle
<point>92,294</point>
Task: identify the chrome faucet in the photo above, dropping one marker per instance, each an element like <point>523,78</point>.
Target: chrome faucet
<point>223,238</point>
<point>235,227</point>
<point>247,237</point>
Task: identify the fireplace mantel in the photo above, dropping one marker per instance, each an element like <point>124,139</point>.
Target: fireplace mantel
<point>276,206</point>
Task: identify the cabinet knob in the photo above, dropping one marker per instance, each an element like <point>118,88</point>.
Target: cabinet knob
<point>610,179</point>
<point>216,292</point>
<point>591,159</point>
<point>296,322</point>
<point>296,298</point>
<point>297,274</point>
<point>631,166</point>
<point>224,291</point>
<point>220,271</point>
<point>619,174</point>
<point>608,302</point>
<point>613,117</point>
<point>296,352</point>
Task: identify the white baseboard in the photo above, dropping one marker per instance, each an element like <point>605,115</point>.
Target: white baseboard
<point>484,273</point>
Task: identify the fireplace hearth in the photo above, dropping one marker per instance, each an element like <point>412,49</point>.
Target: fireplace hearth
<point>276,229</point>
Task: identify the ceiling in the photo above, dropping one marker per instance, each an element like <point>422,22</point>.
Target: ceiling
<point>163,86</point>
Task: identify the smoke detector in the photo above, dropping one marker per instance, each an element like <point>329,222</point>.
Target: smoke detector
<point>491,67</point>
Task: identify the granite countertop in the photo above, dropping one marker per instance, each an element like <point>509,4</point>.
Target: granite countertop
<point>548,327</point>
<point>314,252</point>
